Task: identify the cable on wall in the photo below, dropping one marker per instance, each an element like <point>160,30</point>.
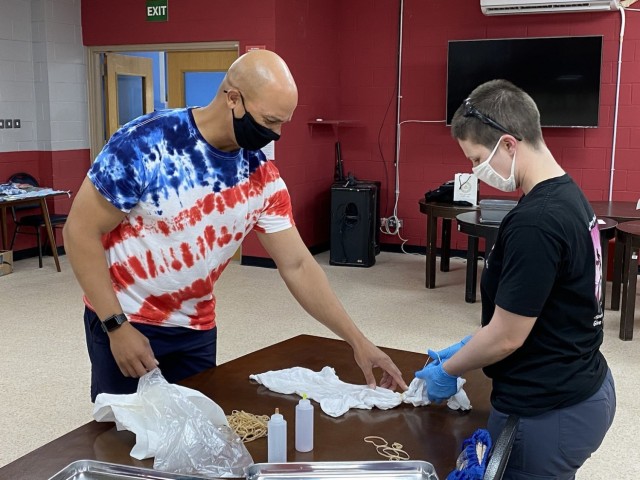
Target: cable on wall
<point>393,226</point>
<point>615,113</point>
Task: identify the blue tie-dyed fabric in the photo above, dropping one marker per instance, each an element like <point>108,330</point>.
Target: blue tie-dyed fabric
<point>158,155</point>
<point>187,206</point>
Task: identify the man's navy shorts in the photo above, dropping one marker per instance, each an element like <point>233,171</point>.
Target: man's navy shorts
<point>181,352</point>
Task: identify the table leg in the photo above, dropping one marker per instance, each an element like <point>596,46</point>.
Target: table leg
<point>52,238</point>
<point>472,270</point>
<point>432,235</point>
<point>604,247</point>
<point>629,279</point>
<point>445,248</point>
<point>618,256</point>
<point>3,214</point>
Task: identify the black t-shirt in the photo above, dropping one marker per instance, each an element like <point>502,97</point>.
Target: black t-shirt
<point>546,263</point>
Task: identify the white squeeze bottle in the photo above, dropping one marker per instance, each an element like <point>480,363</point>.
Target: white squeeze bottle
<point>277,438</point>
<point>304,425</point>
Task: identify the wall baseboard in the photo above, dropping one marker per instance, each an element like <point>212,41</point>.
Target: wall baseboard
<point>33,252</point>
<point>266,262</point>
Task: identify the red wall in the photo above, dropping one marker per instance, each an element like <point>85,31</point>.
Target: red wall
<point>61,170</point>
<point>307,38</point>
<point>304,33</point>
<point>343,56</point>
<point>369,32</point>
<point>428,154</point>
<point>122,22</point>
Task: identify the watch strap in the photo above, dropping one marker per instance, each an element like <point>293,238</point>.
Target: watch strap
<point>113,322</point>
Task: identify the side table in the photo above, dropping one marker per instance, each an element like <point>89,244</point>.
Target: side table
<point>433,211</point>
<point>628,233</point>
<point>470,224</point>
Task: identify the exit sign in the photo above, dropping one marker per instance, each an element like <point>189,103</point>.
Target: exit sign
<point>157,10</point>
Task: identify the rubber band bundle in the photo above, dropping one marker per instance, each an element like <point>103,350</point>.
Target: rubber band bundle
<point>248,426</point>
<point>391,452</point>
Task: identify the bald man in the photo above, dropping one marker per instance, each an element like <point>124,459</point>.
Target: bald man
<point>164,207</point>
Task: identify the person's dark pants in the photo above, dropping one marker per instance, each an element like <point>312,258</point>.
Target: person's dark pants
<point>181,352</point>
<point>554,445</point>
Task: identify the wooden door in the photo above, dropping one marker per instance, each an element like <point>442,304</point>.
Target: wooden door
<point>179,64</point>
<point>138,70</point>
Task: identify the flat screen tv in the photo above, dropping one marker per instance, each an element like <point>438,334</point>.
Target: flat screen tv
<point>562,74</point>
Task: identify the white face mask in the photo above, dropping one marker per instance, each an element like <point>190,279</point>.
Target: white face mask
<point>487,174</point>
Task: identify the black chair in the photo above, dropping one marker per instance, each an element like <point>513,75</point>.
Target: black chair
<point>501,450</point>
<point>33,221</point>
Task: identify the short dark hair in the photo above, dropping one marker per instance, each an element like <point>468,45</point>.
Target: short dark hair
<point>506,104</point>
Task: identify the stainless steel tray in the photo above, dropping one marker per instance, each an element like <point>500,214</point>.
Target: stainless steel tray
<point>383,470</point>
<point>93,470</point>
<point>401,470</point>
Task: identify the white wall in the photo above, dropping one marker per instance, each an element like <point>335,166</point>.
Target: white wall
<point>42,75</point>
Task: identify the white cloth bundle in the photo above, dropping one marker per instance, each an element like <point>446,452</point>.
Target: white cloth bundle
<point>337,397</point>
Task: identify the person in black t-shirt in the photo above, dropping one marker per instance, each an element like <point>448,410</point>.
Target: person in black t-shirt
<point>541,300</point>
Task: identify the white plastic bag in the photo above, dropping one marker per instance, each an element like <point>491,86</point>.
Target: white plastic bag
<point>184,430</point>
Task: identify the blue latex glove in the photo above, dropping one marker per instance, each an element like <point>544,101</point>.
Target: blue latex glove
<point>447,353</point>
<point>440,385</point>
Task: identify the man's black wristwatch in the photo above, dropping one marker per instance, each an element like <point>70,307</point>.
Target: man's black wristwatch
<point>113,322</point>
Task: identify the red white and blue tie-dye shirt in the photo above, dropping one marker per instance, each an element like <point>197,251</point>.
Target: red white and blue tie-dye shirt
<point>188,207</point>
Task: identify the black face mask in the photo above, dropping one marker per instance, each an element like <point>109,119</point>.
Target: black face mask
<point>250,135</point>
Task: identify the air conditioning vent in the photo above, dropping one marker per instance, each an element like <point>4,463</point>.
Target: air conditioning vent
<point>515,7</point>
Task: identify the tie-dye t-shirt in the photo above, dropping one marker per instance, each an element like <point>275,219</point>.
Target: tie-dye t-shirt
<point>188,207</point>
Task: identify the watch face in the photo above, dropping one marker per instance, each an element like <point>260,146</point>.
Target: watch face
<point>113,322</point>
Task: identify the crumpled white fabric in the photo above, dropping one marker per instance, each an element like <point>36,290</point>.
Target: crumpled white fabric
<point>337,397</point>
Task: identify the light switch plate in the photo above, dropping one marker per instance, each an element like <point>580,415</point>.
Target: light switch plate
<point>16,123</point>
<point>1,123</point>
<point>8,123</point>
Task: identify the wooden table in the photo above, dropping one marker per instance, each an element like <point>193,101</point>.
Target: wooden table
<point>470,224</point>
<point>42,202</point>
<point>433,211</point>
<point>628,234</point>
<point>616,210</point>
<point>607,227</point>
<point>620,212</point>
<point>433,433</point>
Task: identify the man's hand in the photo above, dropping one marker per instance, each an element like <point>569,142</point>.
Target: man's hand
<point>440,385</point>
<point>132,351</point>
<point>368,357</point>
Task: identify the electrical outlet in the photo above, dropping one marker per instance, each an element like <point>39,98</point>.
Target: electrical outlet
<point>390,223</point>
<point>8,123</point>
<point>16,123</point>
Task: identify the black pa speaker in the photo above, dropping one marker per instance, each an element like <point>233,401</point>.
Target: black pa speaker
<point>353,225</point>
